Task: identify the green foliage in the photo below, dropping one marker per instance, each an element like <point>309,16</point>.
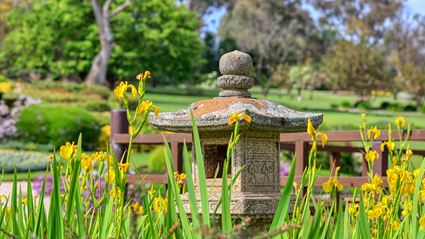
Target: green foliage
<point>157,35</point>
<point>355,67</point>
<point>22,160</point>
<point>422,109</point>
<point>156,160</point>
<point>97,106</point>
<point>346,104</point>
<point>54,124</point>
<point>59,39</point>
<point>51,39</point>
<point>365,105</point>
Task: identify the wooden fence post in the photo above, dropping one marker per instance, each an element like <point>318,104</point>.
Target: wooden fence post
<point>119,125</point>
<point>381,164</point>
<point>176,152</point>
<point>301,155</point>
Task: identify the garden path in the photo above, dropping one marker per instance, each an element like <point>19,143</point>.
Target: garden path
<point>6,190</point>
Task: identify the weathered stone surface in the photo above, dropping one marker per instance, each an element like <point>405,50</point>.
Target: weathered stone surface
<point>213,115</point>
<point>235,63</point>
<point>234,82</point>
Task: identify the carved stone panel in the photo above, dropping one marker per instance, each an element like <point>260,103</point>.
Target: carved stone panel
<point>261,159</point>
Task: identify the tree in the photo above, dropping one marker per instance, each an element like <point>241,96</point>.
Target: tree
<point>58,39</point>
<point>358,18</point>
<point>355,67</point>
<point>405,43</point>
<point>50,39</point>
<point>274,32</point>
<point>103,14</point>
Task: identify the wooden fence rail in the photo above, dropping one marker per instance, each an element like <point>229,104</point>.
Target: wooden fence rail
<point>298,143</point>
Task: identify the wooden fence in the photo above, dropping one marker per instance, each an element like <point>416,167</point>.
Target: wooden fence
<point>338,142</point>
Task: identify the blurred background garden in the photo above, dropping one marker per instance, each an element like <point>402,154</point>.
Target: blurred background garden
<point>59,60</point>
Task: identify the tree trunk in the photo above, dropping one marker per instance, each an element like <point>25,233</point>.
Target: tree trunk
<point>99,67</point>
<point>103,14</point>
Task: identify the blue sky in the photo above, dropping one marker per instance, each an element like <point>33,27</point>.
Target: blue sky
<point>213,21</point>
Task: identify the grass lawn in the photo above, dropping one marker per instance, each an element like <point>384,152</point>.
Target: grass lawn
<point>170,100</point>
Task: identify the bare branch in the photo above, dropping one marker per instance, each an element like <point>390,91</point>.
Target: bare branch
<point>106,7</point>
<point>121,7</point>
<point>98,15</point>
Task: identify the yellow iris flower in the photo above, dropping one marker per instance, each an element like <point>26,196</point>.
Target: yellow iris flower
<point>422,222</point>
<point>151,192</point>
<point>238,117</point>
<point>409,154</point>
<point>390,145</point>
<point>314,134</point>
<point>86,162</point>
<point>160,204</point>
<point>115,192</point>
<point>332,183</point>
<point>110,175</point>
<point>66,151</point>
<point>143,76</point>
<point>145,106</point>
<point>122,88</point>
<point>371,156</point>
<point>373,132</point>
<point>123,166</point>
<point>137,208</point>
<point>401,122</point>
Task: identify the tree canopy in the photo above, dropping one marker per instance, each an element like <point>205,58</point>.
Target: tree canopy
<point>58,39</point>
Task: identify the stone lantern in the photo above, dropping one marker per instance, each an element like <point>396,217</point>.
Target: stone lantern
<point>257,191</point>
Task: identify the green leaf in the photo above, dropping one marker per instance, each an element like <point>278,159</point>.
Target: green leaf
<point>226,218</point>
<point>176,190</point>
<point>74,183</point>
<point>363,224</point>
<point>414,224</point>
<point>282,208</point>
<point>191,188</point>
<point>14,206</point>
<point>201,174</point>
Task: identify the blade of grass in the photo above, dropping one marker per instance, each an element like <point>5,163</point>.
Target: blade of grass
<point>14,206</point>
<point>30,204</point>
<point>414,224</point>
<point>325,229</point>
<point>201,174</point>
<point>363,226</point>
<point>226,219</point>
<point>40,209</point>
<point>173,213</point>
<point>55,221</point>
<point>306,225</point>
<point>338,232</point>
<point>282,208</point>
<point>238,173</point>
<point>190,188</point>
<point>176,190</point>
<point>74,183</point>
<point>79,213</point>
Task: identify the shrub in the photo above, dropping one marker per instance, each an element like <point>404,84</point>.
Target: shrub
<point>97,106</point>
<point>384,105</point>
<point>334,106</point>
<point>422,109</point>
<point>410,108</point>
<point>395,107</point>
<point>346,104</point>
<point>22,160</point>
<point>363,105</point>
<point>53,124</point>
<point>156,160</point>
